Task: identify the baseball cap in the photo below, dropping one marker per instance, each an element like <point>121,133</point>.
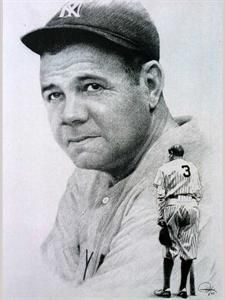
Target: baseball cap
<point>125,23</point>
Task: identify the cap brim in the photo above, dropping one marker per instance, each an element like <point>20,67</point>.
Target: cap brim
<point>43,39</point>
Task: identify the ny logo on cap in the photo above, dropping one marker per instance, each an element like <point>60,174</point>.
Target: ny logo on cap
<point>71,9</point>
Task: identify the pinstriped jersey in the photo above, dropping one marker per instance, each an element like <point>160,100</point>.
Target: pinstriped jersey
<point>178,177</point>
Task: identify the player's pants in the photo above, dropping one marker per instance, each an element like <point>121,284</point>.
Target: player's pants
<point>182,218</point>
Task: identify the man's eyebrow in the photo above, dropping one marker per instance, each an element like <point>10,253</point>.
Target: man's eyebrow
<point>47,87</point>
<point>82,77</point>
<point>87,76</point>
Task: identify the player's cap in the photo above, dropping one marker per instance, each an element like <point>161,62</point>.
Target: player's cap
<point>126,23</point>
<point>176,150</point>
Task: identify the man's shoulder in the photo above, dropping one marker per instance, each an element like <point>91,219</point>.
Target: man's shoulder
<point>189,134</point>
<point>193,135</point>
<point>171,166</point>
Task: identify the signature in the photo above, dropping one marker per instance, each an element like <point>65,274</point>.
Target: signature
<point>207,288</point>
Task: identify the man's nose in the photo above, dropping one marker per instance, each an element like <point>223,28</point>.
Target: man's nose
<point>75,111</point>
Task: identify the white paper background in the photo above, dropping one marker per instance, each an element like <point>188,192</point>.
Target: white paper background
<point>35,170</point>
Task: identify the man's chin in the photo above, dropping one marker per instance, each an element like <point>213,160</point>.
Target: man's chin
<point>91,163</point>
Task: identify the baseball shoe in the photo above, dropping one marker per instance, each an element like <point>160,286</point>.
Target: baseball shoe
<point>163,293</point>
<point>183,294</point>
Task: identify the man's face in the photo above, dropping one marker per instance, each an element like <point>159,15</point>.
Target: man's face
<point>96,112</point>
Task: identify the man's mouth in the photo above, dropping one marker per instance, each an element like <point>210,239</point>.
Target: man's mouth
<point>80,139</point>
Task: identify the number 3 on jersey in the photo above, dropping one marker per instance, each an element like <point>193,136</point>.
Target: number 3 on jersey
<point>187,172</point>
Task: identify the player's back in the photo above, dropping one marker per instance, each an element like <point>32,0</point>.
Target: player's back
<point>180,177</point>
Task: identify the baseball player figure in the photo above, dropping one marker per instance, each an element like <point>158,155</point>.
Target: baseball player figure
<point>178,194</point>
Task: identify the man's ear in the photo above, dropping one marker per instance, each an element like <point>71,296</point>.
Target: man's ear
<point>154,80</point>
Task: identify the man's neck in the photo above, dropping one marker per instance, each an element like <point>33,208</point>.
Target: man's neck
<point>176,157</point>
<point>161,121</point>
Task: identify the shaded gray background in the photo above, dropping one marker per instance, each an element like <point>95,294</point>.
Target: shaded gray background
<point>35,170</point>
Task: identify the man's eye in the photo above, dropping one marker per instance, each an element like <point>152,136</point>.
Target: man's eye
<point>93,88</point>
<point>55,96</point>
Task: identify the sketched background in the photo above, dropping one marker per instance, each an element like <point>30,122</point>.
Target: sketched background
<point>34,168</point>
